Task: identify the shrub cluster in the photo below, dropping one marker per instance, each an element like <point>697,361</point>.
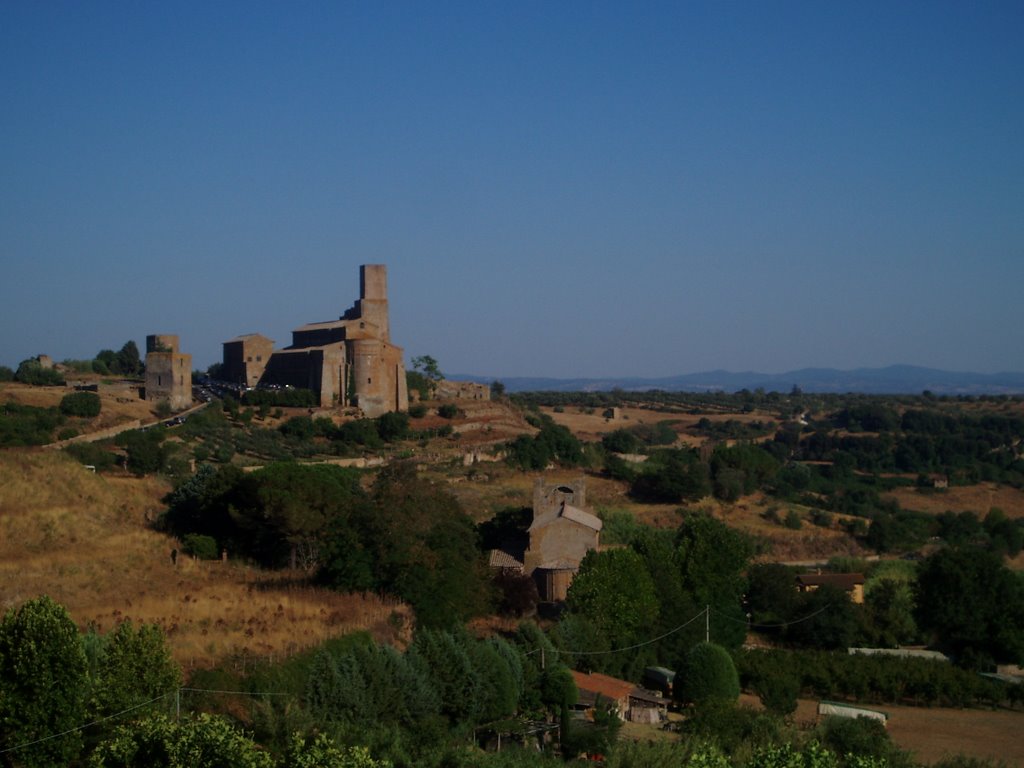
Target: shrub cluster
<point>84,404</point>
<point>876,678</point>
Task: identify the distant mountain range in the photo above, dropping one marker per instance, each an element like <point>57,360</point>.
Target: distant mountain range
<point>892,380</point>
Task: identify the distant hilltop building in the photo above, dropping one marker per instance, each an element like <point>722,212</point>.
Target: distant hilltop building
<point>168,372</point>
<point>348,361</point>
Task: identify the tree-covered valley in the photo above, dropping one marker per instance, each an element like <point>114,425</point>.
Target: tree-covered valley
<point>379,634</point>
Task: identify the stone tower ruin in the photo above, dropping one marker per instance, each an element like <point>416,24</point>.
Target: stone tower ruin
<point>168,372</point>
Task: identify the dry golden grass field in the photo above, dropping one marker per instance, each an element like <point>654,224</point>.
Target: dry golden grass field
<point>592,426</point>
<point>974,498</point>
<point>120,401</point>
<point>84,539</point>
<point>933,733</point>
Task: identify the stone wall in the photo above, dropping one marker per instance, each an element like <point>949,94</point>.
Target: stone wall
<point>245,359</point>
<point>462,390</point>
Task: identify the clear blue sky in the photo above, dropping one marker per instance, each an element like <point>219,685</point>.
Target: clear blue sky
<point>557,188</point>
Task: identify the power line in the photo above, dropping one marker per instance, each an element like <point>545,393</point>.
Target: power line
<point>636,645</point>
<point>772,626</point>
<point>237,693</point>
<point>87,725</point>
<point>176,692</point>
<point>706,612</point>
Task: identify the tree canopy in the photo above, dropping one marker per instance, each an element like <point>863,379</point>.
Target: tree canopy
<point>43,683</point>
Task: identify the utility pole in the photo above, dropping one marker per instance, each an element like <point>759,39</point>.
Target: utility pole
<point>707,623</point>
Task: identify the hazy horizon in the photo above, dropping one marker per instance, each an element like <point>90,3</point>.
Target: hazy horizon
<point>587,190</point>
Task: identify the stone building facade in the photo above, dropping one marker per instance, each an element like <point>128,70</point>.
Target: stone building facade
<point>348,361</point>
<point>168,372</point>
<point>246,357</point>
<point>561,534</point>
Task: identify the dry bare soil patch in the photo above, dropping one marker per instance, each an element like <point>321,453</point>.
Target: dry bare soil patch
<point>119,401</point>
<point>978,498</point>
<point>84,539</point>
<point>592,426</point>
<point>933,733</point>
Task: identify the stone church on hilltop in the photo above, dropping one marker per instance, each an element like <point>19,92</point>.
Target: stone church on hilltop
<point>346,362</point>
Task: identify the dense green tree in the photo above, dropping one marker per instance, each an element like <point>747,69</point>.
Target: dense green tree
<point>771,593</point>
<point>6,374</point>
<point>359,432</point>
<point>31,372</point>
<point>748,466</point>
<point>321,752</point>
<point>548,685</point>
<point>861,736</point>
<point>299,427</point>
<point>365,685</point>
<point>972,605</point>
<point>708,673</point>
<point>677,604</point>
<point>671,476</point>
<point>429,367</point>
<point>778,691</point>
<point>131,669</point>
<point>127,361</point>
<point>828,620</point>
<point>147,451</point>
<point>290,508</point>
<point>424,548</point>
<point>712,557</point>
<point>505,689</point>
<point>202,741</point>
<point>890,606</point>
<point>622,441</point>
<point>584,647</point>
<point>201,503</point>
<point>446,659</point>
<point>615,593</point>
<point>43,685</point>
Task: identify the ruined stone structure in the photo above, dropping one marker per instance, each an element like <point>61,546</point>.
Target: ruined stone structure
<point>168,372</point>
<point>560,536</point>
<point>558,539</point>
<point>246,357</point>
<point>348,361</point>
<point>461,390</point>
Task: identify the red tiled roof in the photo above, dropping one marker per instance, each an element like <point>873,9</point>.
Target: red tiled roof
<point>609,687</point>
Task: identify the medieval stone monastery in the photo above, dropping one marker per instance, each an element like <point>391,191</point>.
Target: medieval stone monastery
<point>346,362</point>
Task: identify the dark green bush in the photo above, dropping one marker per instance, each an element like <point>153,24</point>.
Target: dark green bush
<point>393,426</point>
<point>31,372</point>
<point>448,411</point>
<point>84,404</point>
<point>708,673</point>
<point>93,454</point>
<point>203,547</point>
<point>27,425</point>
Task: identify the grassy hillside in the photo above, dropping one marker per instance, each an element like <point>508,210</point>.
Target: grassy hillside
<point>84,540</point>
